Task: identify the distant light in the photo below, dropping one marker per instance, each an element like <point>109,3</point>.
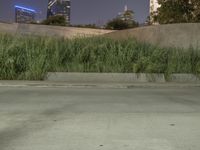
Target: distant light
<point>28,9</point>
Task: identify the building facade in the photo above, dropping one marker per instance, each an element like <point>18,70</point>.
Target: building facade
<point>153,9</point>
<point>126,15</point>
<point>154,5</point>
<point>59,7</point>
<point>24,15</point>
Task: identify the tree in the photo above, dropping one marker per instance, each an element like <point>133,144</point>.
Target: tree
<point>196,11</point>
<point>177,11</point>
<point>93,26</point>
<point>57,20</point>
<point>174,11</point>
<point>117,24</point>
<point>148,21</point>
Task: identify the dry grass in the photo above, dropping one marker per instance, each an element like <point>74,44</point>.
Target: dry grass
<point>31,57</point>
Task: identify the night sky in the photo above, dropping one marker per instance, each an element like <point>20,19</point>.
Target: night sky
<point>82,11</point>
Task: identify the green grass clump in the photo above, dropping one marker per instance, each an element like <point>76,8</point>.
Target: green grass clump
<point>31,57</point>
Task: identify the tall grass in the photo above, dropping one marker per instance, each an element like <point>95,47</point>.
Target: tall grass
<point>31,57</point>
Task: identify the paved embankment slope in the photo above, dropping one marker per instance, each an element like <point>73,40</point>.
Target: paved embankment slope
<point>68,32</point>
<point>172,35</point>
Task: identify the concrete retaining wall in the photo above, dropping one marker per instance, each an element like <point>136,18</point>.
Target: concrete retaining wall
<point>68,32</point>
<point>172,35</point>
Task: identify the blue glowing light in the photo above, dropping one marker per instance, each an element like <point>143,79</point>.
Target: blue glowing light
<point>24,8</point>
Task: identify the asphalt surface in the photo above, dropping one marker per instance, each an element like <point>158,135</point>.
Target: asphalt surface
<point>161,118</point>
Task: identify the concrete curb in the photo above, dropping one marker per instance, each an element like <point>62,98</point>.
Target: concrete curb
<point>126,78</point>
<point>48,84</point>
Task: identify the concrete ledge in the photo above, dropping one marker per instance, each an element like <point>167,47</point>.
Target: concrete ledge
<point>184,78</point>
<point>105,77</point>
<point>126,78</point>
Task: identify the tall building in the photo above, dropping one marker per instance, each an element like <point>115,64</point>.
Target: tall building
<point>126,14</point>
<point>153,9</point>
<point>24,15</point>
<point>154,5</point>
<point>59,7</point>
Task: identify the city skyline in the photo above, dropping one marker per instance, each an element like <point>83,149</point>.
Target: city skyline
<point>57,7</point>
<point>89,11</point>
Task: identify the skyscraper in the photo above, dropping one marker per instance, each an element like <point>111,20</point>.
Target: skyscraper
<point>59,7</point>
<point>24,15</point>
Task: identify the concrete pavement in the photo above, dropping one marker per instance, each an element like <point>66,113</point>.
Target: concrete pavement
<point>57,118</point>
